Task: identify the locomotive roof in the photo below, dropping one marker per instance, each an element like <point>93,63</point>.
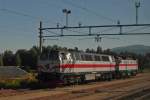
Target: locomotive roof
<point>93,53</point>
<point>82,52</point>
<point>79,52</point>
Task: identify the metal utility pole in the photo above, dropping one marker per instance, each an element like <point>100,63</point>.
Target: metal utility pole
<point>137,5</point>
<point>40,37</point>
<point>66,11</point>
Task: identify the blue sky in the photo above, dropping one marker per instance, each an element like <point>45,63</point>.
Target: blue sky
<point>19,21</point>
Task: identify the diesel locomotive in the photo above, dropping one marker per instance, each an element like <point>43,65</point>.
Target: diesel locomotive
<point>78,67</point>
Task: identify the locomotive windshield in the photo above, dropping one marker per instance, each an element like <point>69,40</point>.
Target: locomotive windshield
<point>53,55</point>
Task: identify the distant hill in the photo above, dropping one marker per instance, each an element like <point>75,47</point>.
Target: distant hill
<point>138,49</point>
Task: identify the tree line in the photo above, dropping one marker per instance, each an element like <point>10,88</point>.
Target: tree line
<point>28,58</point>
<point>22,57</point>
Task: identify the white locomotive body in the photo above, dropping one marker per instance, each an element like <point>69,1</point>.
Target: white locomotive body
<point>79,66</point>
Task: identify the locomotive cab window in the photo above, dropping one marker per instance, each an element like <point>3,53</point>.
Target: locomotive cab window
<point>97,58</point>
<point>105,58</point>
<point>53,55</point>
<point>63,55</point>
<point>88,58</point>
<point>113,59</point>
<point>83,57</point>
<point>77,56</point>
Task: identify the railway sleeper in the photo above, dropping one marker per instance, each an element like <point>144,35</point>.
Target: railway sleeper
<point>134,95</point>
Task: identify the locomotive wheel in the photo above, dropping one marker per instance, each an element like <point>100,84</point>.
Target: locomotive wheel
<point>110,76</point>
<point>65,81</point>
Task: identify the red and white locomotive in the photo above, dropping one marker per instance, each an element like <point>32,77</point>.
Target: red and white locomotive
<point>77,67</point>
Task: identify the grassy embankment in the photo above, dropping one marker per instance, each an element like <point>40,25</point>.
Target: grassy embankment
<point>146,70</point>
<point>28,81</point>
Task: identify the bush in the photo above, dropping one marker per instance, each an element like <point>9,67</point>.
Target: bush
<point>29,82</point>
<point>32,84</point>
<point>13,84</point>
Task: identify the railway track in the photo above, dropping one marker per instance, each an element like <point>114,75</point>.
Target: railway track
<point>130,92</point>
<point>139,94</point>
<point>111,93</point>
<point>102,91</point>
<point>114,90</point>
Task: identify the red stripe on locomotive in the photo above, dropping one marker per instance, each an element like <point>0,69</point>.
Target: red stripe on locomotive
<point>93,65</point>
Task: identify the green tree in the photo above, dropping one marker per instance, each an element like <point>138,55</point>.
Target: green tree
<point>87,50</point>
<point>8,58</point>
<point>24,56</point>
<point>1,60</point>
<point>99,50</point>
<point>90,50</point>
<point>76,49</point>
<point>33,56</point>
<point>17,60</point>
<point>36,48</point>
<point>55,47</point>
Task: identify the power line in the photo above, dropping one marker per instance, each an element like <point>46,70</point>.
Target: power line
<point>100,37</point>
<point>142,28</point>
<point>76,31</point>
<point>97,26</point>
<point>52,32</point>
<point>26,15</point>
<point>66,30</point>
<point>90,11</point>
<point>96,34</point>
<point>17,13</point>
<point>105,30</point>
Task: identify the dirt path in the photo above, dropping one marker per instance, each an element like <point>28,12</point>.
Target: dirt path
<point>29,96</point>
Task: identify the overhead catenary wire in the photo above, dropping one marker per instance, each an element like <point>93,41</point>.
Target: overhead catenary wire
<point>52,32</point>
<point>33,17</point>
<point>100,37</point>
<point>109,29</point>
<point>138,29</point>
<point>17,13</point>
<point>102,26</point>
<point>76,31</point>
<point>89,11</point>
<point>25,15</point>
<point>97,34</point>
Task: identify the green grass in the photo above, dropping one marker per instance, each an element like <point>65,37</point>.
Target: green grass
<point>146,70</point>
<point>13,84</point>
<point>28,82</point>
